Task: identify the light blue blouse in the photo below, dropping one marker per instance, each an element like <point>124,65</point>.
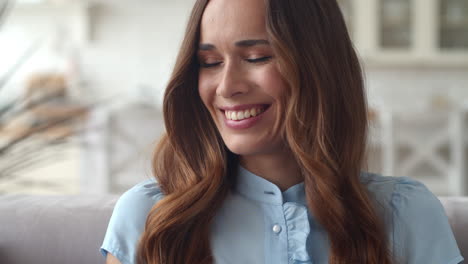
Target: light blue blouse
<point>260,224</point>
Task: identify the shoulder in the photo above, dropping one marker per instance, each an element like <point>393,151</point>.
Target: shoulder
<point>140,198</point>
<point>417,223</point>
<point>406,200</point>
<point>399,192</point>
<point>402,195</point>
<point>128,220</point>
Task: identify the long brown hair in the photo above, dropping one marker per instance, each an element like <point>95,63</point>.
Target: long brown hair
<point>325,126</point>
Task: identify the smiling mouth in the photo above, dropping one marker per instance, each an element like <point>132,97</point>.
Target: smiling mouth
<point>245,114</point>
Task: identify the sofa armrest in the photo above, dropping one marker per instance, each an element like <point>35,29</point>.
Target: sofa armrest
<point>456,209</point>
<point>53,229</point>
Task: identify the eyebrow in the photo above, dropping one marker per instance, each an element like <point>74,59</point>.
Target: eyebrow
<point>241,43</point>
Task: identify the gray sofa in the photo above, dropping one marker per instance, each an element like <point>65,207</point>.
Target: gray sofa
<point>70,229</point>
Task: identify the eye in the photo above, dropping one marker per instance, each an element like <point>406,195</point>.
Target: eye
<point>209,65</point>
<point>257,60</point>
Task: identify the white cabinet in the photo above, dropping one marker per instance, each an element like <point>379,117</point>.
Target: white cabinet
<point>409,32</point>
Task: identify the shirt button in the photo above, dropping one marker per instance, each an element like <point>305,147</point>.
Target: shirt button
<point>276,229</point>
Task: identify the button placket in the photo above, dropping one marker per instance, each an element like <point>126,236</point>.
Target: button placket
<point>276,242</point>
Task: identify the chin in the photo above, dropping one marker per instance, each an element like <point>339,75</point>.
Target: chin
<point>242,151</point>
<point>241,147</point>
<point>248,148</point>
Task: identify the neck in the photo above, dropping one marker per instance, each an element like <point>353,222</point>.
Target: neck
<point>279,168</point>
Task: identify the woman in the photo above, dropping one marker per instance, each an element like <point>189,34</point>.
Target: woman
<point>261,163</point>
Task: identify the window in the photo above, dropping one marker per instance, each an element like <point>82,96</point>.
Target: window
<point>395,24</point>
<point>453,24</point>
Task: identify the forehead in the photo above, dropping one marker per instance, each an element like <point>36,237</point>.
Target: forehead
<point>232,20</point>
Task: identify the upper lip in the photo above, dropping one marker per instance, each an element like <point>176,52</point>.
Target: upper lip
<point>242,107</point>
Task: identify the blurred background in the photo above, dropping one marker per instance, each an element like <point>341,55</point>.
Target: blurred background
<point>81,85</point>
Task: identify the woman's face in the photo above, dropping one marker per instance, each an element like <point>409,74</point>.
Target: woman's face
<point>239,81</point>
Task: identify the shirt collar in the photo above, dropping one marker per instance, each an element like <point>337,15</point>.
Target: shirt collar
<point>258,188</point>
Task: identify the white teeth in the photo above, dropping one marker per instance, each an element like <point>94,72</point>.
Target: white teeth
<point>233,115</point>
<point>253,112</point>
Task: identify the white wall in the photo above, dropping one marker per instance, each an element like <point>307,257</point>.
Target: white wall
<point>115,46</point>
<point>133,44</point>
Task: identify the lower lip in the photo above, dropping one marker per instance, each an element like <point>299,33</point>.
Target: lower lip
<point>245,123</point>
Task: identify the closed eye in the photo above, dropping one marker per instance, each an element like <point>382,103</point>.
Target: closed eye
<point>256,60</point>
<point>208,65</point>
<point>262,59</point>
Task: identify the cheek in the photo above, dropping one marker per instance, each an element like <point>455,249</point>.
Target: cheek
<point>203,90</point>
<point>207,94</point>
<point>273,83</point>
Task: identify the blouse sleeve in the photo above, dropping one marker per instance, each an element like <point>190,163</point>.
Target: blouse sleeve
<point>128,221</point>
<point>422,233</point>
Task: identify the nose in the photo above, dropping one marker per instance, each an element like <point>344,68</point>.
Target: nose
<point>233,81</point>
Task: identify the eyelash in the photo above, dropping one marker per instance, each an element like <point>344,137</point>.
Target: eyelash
<point>257,60</point>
